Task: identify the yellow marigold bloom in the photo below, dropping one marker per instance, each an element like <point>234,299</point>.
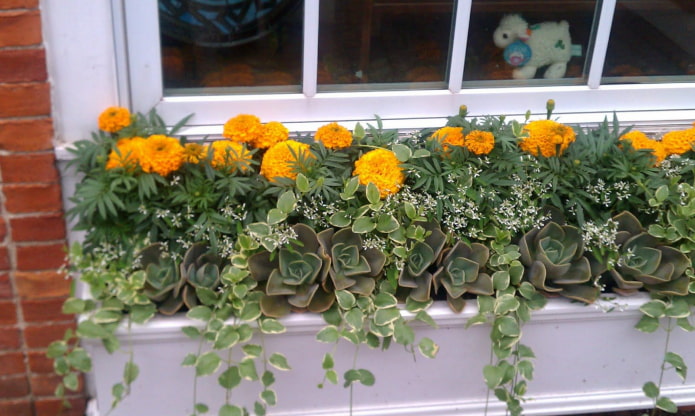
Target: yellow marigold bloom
<point>382,168</point>
<point>161,154</point>
<point>638,140</point>
<point>113,119</point>
<point>243,128</point>
<point>230,154</point>
<point>449,136</point>
<point>479,142</point>
<point>544,136</point>
<point>194,152</point>
<point>126,154</point>
<point>334,136</point>
<point>271,133</point>
<point>279,160</point>
<point>679,141</point>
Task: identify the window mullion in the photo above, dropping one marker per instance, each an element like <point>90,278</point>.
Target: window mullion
<point>603,33</point>
<point>458,44</point>
<point>311,47</point>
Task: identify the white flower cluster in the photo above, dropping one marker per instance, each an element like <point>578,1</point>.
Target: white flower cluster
<point>607,195</point>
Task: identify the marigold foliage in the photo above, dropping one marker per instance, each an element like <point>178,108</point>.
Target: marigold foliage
<point>114,119</point>
<point>280,161</point>
<point>334,136</point>
<point>545,136</point>
<point>229,154</point>
<point>382,168</point>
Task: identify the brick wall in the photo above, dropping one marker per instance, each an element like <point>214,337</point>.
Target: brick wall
<point>32,231</point>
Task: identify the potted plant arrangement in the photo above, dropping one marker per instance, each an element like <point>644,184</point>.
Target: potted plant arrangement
<point>440,252</point>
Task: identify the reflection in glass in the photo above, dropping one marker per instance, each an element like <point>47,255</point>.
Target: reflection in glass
<point>210,46</point>
<point>530,39</point>
<point>395,44</point>
<point>651,41</point>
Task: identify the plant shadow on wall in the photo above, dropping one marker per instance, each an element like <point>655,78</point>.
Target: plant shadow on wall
<point>369,228</point>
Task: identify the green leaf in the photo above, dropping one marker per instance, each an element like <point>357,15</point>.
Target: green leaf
<point>363,376</point>
<point>332,376</point>
<point>346,300</point>
<point>73,306</point>
<point>387,223</point>
<point>207,364</point>
<point>647,324</point>
<point>525,352</point>
<point>493,376</point>
<point>425,317</point>
<point>89,329</point>
<point>386,316</point>
<point>252,350</point>
<point>525,368</point>
<point>230,378</point>
<point>268,378</point>
<point>685,324</point>
<point>505,304</point>
<point>373,195</point>
<point>428,348</point>
<point>189,360</point>
<point>302,183</point>
<point>651,390</point>
<point>271,326</point>
<point>206,296</point>
<point>355,318</point>
<point>340,219</point>
<point>654,308</point>
<point>328,361</point>
<point>57,349</point>
<point>226,338</point>
<point>247,369</point>
<point>200,313</point>
<point>279,361</point>
<point>130,372</point>
<point>201,408</point>
<point>677,308</point>
<point>71,381</point>
<point>275,216</point>
<point>269,397</point>
<point>80,360</point>
<point>661,193</point>
<point>508,326</point>
<point>403,152</point>
<point>191,332</point>
<point>287,202</point>
<point>678,364</point>
<point>403,333</point>
<point>666,404</point>
<point>328,334</point>
<point>500,280</point>
<point>259,409</point>
<point>250,312</point>
<point>140,314</point>
<point>363,225</point>
<point>230,410</point>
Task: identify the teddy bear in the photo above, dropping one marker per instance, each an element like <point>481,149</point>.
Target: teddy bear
<point>531,47</point>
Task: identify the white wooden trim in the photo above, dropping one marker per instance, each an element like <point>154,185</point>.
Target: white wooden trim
<point>603,33</point>
<point>311,47</point>
<point>459,44</point>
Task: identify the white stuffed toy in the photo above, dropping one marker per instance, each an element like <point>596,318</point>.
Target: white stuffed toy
<point>531,47</point>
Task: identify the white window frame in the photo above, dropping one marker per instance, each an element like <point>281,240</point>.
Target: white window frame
<point>128,72</point>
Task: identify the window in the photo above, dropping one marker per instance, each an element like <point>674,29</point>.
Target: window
<point>412,62</point>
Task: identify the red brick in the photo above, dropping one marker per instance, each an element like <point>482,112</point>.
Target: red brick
<point>39,363</point>
<point>26,135</point>
<point>14,387</point>
<point>20,28</point>
<point>24,100</point>
<point>53,407</point>
<point>41,257</point>
<point>12,363</point>
<point>5,286</point>
<point>32,285</point>
<point>8,312</point>
<point>43,310</point>
<point>9,338</point>
<point>45,384</point>
<point>16,408</point>
<point>4,258</point>
<point>23,65</point>
<point>3,230</point>
<point>36,167</point>
<point>19,4</point>
<point>28,198</point>
<point>38,228</point>
<point>40,336</point>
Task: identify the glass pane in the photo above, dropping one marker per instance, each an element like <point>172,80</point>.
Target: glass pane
<point>652,41</point>
<point>384,44</point>
<point>536,42</point>
<point>228,46</point>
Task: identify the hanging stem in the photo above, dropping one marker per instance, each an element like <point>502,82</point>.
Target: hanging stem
<point>669,329</point>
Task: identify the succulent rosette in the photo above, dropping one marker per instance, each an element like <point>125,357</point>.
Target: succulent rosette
<point>645,263</point>
<point>556,263</point>
<point>461,271</point>
<point>415,275</point>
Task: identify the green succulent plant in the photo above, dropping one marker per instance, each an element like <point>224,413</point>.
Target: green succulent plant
<point>645,263</point>
<point>172,286</point>
<point>556,263</point>
<point>415,275</point>
<point>294,277</point>
<point>352,267</point>
<point>460,271</point>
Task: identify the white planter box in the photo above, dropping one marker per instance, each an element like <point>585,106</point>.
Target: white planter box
<point>587,361</point>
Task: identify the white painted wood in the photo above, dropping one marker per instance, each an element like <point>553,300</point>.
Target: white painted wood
<point>587,360</point>
<point>602,36</point>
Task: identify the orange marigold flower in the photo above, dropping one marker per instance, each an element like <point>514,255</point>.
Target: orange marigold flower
<point>679,141</point>
<point>544,137</point>
<point>638,140</point>
<point>334,136</point>
<point>382,168</point>
<point>243,128</point>
<point>449,136</point>
<point>271,133</point>
<point>228,154</point>
<point>161,154</point>
<point>280,160</point>
<point>194,152</point>
<point>480,142</point>
<point>113,119</point>
<point>126,154</point>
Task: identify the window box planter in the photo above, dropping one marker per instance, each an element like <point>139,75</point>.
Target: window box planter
<point>588,361</point>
